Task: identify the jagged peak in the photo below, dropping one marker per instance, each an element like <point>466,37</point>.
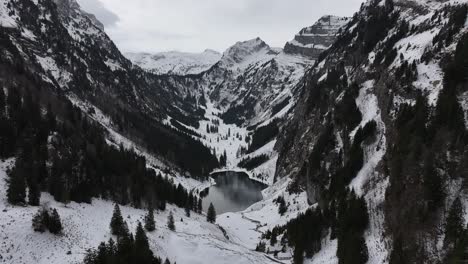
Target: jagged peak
<point>329,23</point>
<point>313,40</point>
<point>69,8</point>
<point>242,51</point>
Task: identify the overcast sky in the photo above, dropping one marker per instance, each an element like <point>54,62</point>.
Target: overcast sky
<point>196,25</point>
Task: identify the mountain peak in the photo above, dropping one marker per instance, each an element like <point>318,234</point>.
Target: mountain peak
<point>313,40</point>
<point>245,51</point>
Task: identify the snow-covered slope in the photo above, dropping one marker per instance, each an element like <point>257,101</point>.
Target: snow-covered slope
<point>174,62</point>
<point>195,241</point>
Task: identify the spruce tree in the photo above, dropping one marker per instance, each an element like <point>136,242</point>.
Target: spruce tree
<point>143,253</point>
<point>187,208</point>
<point>298,257</point>
<point>34,192</point>
<point>211,214</point>
<point>150,224</point>
<point>16,192</point>
<point>195,204</point>
<point>54,223</point>
<point>56,182</point>
<point>455,223</point>
<point>39,221</point>
<point>2,102</point>
<point>200,206</point>
<point>117,225</point>
<point>282,208</point>
<point>170,222</point>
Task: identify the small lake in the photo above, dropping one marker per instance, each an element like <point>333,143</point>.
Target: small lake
<point>233,192</point>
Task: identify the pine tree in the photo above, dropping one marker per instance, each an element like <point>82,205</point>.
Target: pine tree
<point>56,182</point>
<point>455,223</point>
<point>211,214</point>
<point>16,192</point>
<point>117,225</point>
<point>143,253</point>
<point>34,192</point>
<point>282,208</point>
<point>55,224</point>
<point>187,208</point>
<point>2,102</point>
<point>170,222</point>
<point>298,257</point>
<point>39,221</point>
<point>167,261</point>
<point>150,224</point>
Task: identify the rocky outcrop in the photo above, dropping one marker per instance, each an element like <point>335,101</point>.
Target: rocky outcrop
<point>312,41</point>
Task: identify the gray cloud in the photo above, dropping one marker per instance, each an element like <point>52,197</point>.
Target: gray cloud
<point>107,17</point>
<point>194,25</point>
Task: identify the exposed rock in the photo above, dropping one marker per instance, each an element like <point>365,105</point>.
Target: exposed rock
<point>312,41</point>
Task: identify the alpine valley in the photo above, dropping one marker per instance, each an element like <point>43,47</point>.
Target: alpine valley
<point>348,145</point>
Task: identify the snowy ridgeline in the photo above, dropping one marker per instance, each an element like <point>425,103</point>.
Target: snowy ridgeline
<point>174,62</point>
<point>87,225</point>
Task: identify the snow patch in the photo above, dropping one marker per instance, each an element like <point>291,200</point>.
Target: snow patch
<point>374,152</point>
<point>174,62</point>
<point>7,19</point>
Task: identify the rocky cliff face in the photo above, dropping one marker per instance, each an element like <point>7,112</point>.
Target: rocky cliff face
<point>312,41</point>
<point>374,117</point>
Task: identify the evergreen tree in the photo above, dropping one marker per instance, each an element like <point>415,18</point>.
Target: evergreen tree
<point>143,253</point>
<point>170,222</point>
<point>2,102</point>
<point>167,261</point>
<point>195,204</point>
<point>57,182</point>
<point>187,208</point>
<point>298,257</point>
<point>16,192</point>
<point>34,192</point>
<point>282,208</point>
<point>200,206</point>
<point>211,214</point>
<point>54,223</point>
<point>353,220</point>
<point>261,247</point>
<point>117,225</point>
<point>150,224</point>
<point>434,191</point>
<point>39,221</point>
<point>455,223</point>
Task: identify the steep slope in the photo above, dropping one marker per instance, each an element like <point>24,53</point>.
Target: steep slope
<point>63,46</point>
<point>312,41</point>
<point>382,114</point>
<point>174,62</point>
<point>251,79</point>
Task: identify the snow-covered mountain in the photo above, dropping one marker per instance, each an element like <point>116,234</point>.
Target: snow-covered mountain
<point>312,41</point>
<point>363,147</point>
<point>175,62</point>
<point>380,114</point>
